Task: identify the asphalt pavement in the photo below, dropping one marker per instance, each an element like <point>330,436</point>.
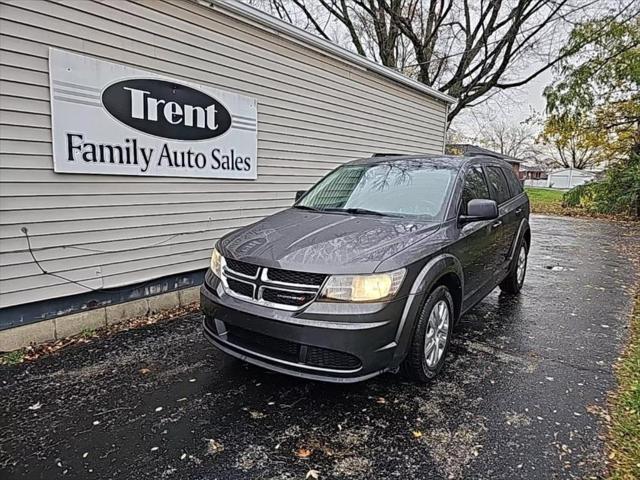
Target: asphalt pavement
<point>522,395</point>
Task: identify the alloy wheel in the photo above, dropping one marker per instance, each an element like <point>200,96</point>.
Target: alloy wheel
<point>522,265</point>
<point>437,333</point>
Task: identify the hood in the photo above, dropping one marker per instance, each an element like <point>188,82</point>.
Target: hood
<point>296,239</point>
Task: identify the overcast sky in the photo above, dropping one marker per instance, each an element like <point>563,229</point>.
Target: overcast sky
<point>514,106</point>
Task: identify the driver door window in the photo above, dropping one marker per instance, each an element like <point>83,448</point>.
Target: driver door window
<point>475,186</point>
<point>498,184</point>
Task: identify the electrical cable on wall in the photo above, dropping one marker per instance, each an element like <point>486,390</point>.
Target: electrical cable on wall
<point>25,231</point>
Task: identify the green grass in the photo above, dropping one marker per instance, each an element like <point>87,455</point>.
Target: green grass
<point>545,200</point>
<point>12,358</point>
<point>624,434</point>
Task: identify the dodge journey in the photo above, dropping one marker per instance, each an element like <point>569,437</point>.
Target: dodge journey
<point>370,269</point>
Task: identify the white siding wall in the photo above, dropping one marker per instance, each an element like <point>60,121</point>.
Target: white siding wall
<point>314,112</point>
<point>567,179</point>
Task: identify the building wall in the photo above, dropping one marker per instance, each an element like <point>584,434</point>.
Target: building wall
<point>315,111</point>
<point>567,179</point>
<point>535,183</point>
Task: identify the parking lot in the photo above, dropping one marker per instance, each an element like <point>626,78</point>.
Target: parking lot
<point>522,396</point>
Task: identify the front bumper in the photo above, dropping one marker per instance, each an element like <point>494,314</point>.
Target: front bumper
<point>334,342</point>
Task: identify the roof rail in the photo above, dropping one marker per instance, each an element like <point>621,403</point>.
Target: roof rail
<point>381,154</point>
<point>483,154</point>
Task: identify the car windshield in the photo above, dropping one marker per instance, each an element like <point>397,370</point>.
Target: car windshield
<point>407,188</point>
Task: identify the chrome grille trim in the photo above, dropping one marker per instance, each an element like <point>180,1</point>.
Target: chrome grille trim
<point>261,281</point>
<point>238,274</point>
<point>265,278</point>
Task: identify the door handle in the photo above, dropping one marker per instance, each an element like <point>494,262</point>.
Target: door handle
<point>497,224</point>
<point>518,211</point>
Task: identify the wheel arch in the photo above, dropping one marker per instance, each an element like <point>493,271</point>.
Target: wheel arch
<point>524,233</point>
<point>444,269</point>
<point>452,281</point>
<point>527,236</point>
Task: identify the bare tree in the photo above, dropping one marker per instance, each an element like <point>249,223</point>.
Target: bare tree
<point>514,140</point>
<point>469,49</point>
<point>455,136</point>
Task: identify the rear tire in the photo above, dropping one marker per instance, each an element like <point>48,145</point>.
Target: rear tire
<point>431,337</point>
<point>514,281</point>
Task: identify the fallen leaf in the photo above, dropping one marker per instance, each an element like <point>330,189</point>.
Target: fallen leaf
<point>214,447</point>
<point>417,433</point>
<point>381,400</point>
<point>35,406</point>
<point>303,452</point>
<point>144,371</point>
<point>312,474</point>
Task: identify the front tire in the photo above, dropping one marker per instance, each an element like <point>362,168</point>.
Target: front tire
<point>431,337</point>
<point>514,281</point>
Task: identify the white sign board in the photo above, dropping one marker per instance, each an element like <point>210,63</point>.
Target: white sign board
<point>115,120</point>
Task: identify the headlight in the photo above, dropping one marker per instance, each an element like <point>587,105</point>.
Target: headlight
<point>363,288</point>
<point>216,263</point>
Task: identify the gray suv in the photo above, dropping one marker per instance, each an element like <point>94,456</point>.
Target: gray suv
<point>370,269</point>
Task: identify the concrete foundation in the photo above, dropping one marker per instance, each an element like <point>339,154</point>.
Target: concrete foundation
<point>69,325</point>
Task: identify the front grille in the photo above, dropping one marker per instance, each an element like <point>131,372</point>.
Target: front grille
<point>264,344</point>
<point>241,288</point>
<point>285,297</point>
<point>290,351</point>
<point>322,357</point>
<point>242,267</point>
<point>290,276</point>
<point>266,285</point>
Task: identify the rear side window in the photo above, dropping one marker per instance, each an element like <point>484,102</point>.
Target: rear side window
<point>512,180</point>
<point>498,184</point>
<point>475,186</point>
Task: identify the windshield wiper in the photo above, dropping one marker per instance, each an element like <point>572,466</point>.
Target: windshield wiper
<point>360,211</point>
<point>304,207</point>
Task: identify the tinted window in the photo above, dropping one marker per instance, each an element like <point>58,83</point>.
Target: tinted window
<point>408,188</point>
<point>498,184</point>
<point>475,186</point>
<point>514,183</point>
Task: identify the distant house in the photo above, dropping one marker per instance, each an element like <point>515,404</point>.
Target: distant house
<point>568,178</point>
<point>533,175</point>
<point>532,172</point>
<point>469,150</point>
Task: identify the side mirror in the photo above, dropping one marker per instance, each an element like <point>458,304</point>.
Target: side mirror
<point>480,209</point>
<point>299,194</point>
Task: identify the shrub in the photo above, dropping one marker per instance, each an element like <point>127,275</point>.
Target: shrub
<point>581,196</point>
<point>617,194</point>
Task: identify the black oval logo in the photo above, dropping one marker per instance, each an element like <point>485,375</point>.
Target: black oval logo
<point>166,109</point>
